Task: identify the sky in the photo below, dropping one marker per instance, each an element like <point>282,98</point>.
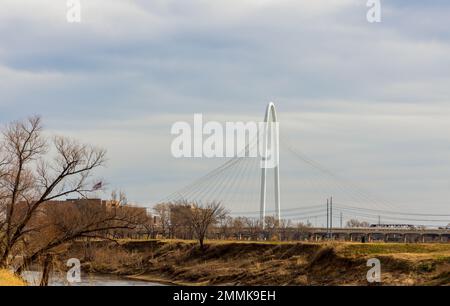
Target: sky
<point>369,101</point>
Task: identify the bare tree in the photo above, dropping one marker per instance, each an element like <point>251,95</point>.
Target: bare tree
<point>203,216</point>
<point>225,226</point>
<point>162,210</point>
<point>283,229</point>
<point>254,227</point>
<point>238,226</point>
<point>180,220</point>
<point>357,223</point>
<point>35,171</point>
<point>271,226</point>
<point>118,198</point>
<point>150,226</point>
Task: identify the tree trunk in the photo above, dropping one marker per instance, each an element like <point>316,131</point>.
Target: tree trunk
<point>3,263</point>
<point>46,270</point>
<point>4,257</point>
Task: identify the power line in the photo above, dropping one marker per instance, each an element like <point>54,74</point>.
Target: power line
<point>393,212</point>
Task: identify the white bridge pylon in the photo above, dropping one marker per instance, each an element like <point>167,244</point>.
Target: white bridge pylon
<point>269,119</point>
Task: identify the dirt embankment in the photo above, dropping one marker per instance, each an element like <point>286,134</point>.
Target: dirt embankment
<point>253,263</point>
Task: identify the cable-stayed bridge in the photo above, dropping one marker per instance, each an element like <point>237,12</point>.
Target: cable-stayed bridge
<point>297,189</point>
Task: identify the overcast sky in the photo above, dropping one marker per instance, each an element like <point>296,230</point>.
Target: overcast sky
<point>370,102</point>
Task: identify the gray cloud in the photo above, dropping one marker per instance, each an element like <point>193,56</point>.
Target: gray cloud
<point>368,100</point>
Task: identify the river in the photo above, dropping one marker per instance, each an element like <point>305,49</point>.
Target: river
<point>33,278</point>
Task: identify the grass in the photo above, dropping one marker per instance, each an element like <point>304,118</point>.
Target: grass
<point>7,278</point>
<point>359,249</point>
<point>217,241</point>
<point>344,247</point>
<point>347,249</point>
<point>181,262</point>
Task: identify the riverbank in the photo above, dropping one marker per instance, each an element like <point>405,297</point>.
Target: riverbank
<point>60,279</point>
<point>266,263</point>
<point>7,278</point>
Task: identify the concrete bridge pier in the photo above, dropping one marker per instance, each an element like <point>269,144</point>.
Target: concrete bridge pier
<point>386,235</point>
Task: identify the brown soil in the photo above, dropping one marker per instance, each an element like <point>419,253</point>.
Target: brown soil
<point>256,263</point>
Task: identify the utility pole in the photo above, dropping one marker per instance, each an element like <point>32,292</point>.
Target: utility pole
<point>328,219</point>
<point>379,220</point>
<point>331,217</point>
<point>341,219</point>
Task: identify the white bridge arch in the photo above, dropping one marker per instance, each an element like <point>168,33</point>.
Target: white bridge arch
<point>270,117</point>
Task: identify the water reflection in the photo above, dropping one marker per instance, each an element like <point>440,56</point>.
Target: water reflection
<point>58,279</point>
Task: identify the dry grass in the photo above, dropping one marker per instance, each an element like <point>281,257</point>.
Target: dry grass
<point>212,241</point>
<point>393,248</point>
<point>273,263</point>
<point>7,278</point>
<point>116,260</point>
